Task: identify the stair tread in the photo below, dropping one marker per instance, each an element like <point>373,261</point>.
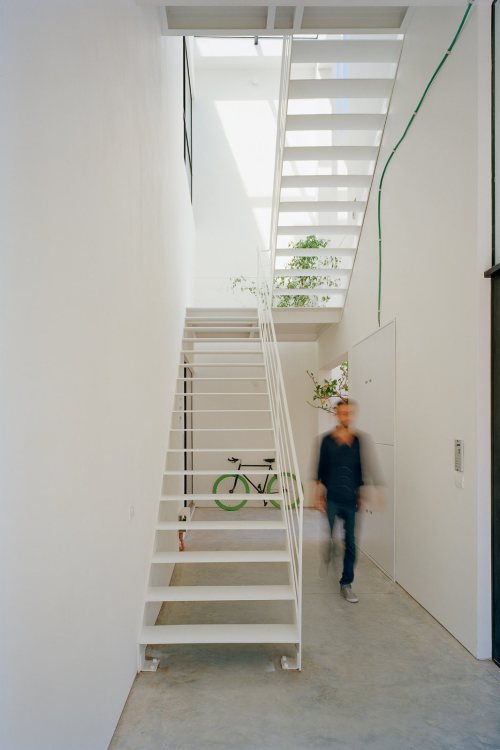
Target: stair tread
<point>230,451</point>
<point>221,429</point>
<point>220,411</point>
<point>223,496</point>
<point>220,377</point>
<point>335,121</point>
<point>214,472</point>
<point>319,229</point>
<point>212,329</point>
<point>318,271</point>
<point>224,393</point>
<point>221,364</point>
<point>359,180</point>
<point>316,252</point>
<point>220,525</point>
<point>315,206</point>
<point>218,593</point>
<point>344,88</point>
<point>329,291</point>
<point>330,153</point>
<point>164,634</point>
<point>346,50</point>
<point>222,556</point>
<point>220,351</point>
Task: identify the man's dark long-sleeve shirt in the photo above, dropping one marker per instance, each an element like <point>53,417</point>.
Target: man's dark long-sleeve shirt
<point>339,469</point>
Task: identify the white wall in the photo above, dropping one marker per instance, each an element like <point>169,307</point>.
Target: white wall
<point>296,358</point>
<point>234,133</point>
<point>372,370</point>
<point>96,243</point>
<point>436,245</point>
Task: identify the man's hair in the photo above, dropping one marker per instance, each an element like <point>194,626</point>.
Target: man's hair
<point>345,402</point>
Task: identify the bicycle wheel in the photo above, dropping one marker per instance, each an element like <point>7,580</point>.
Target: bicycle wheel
<point>224,486</point>
<point>290,490</point>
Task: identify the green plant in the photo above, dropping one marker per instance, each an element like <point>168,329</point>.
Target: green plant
<point>306,262</point>
<point>299,262</point>
<point>329,389</point>
<point>246,285</point>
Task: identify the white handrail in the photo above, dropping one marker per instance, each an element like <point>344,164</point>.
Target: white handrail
<point>287,467</point>
<point>286,457</point>
<point>286,61</point>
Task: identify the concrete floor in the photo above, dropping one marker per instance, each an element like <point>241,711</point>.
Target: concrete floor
<point>381,674</point>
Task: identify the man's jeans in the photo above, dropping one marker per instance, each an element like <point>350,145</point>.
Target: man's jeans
<point>348,515</point>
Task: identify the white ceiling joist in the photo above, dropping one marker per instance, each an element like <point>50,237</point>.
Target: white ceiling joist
<point>271,17</point>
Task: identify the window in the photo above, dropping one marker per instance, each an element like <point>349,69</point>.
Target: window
<point>188,119</point>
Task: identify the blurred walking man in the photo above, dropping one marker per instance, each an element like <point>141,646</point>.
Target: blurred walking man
<point>340,473</point>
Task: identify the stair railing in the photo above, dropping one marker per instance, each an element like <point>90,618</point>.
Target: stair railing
<point>286,61</point>
<point>286,459</point>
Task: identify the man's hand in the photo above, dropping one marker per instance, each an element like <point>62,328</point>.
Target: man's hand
<point>319,500</point>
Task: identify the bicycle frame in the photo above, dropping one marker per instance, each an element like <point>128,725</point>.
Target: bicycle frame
<point>260,489</point>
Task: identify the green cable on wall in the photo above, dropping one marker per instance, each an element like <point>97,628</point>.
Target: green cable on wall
<point>405,132</point>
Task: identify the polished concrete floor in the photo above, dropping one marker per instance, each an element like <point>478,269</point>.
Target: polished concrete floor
<point>381,674</point>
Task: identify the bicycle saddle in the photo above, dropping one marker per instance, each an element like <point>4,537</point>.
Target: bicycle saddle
<point>233,460</point>
<point>269,460</point>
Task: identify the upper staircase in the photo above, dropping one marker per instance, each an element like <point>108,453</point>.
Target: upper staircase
<point>334,99</point>
<point>234,545</point>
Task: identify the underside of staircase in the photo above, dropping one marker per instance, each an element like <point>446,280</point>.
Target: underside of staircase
<point>335,95</point>
<point>225,553</point>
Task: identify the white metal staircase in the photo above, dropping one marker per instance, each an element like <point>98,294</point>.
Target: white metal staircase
<point>334,98</point>
<point>230,403</point>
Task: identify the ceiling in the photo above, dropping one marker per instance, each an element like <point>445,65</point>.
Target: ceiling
<point>259,17</point>
<point>279,19</point>
<point>255,17</point>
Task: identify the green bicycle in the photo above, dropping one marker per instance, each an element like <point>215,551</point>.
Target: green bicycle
<point>239,484</point>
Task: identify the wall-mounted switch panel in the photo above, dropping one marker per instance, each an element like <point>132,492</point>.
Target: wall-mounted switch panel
<point>459,455</point>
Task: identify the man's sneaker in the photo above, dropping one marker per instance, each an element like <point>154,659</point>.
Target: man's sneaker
<point>349,594</point>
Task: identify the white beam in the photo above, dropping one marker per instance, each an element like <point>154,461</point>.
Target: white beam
<point>297,18</point>
<point>271,16</point>
<point>162,15</point>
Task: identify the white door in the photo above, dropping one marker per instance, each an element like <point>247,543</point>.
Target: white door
<point>372,368</point>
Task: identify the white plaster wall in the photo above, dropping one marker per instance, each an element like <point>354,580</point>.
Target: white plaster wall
<point>436,245</point>
<point>96,244</point>
<point>372,386</point>
<point>296,358</point>
<point>234,133</point>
